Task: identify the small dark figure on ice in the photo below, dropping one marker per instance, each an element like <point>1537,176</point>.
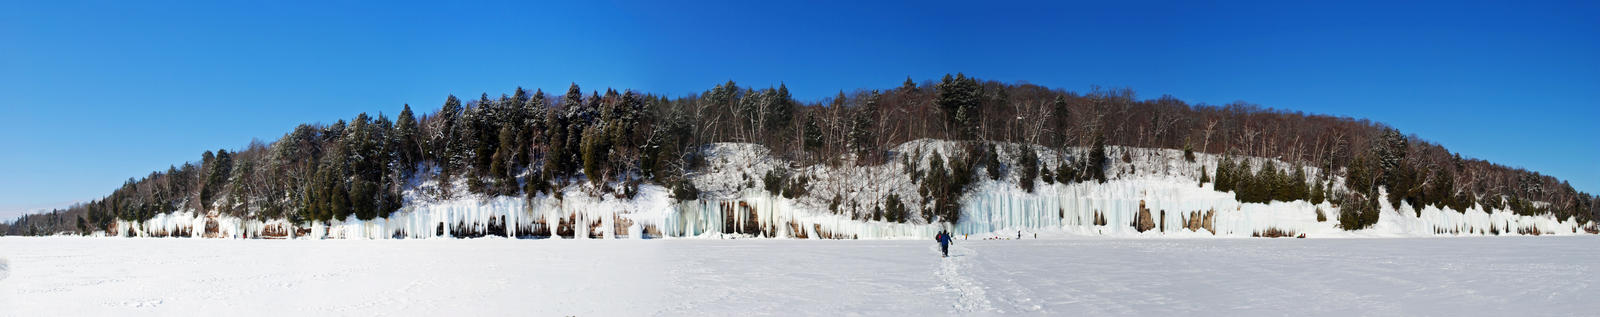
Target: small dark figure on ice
<point>944,242</point>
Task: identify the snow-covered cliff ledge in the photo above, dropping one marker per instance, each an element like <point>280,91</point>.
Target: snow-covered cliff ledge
<point>1155,190</point>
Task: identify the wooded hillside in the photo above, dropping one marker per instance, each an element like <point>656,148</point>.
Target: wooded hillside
<point>530,142</point>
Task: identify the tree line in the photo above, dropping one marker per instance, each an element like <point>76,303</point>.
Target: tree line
<point>528,143</point>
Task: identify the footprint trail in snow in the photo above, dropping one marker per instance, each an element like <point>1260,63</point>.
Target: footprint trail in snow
<point>953,270</point>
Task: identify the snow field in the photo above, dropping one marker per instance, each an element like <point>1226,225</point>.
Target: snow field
<point>69,276</point>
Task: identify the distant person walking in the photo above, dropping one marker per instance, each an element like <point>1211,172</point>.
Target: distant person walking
<point>944,242</point>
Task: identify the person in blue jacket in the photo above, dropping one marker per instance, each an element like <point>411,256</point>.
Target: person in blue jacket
<point>944,242</point>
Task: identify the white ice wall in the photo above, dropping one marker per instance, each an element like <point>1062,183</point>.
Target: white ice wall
<point>1160,178</point>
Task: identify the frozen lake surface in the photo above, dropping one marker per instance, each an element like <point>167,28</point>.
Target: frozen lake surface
<point>64,276</point>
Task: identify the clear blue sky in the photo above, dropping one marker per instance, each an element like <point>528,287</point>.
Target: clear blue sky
<point>97,92</point>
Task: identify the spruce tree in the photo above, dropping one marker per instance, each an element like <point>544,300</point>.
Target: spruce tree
<point>991,162</point>
<point>219,169</point>
<point>594,151</point>
<point>1046,175</point>
<point>1062,120</point>
<point>1223,181</point>
<point>1097,158</point>
<point>1318,195</point>
<point>500,168</point>
<point>445,139</point>
<point>1027,168</point>
<point>813,134</point>
<point>1297,185</point>
<point>781,112</point>
<point>862,122</point>
<point>405,140</point>
<point>959,98</point>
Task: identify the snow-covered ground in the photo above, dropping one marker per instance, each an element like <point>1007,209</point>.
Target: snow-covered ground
<point>65,276</point>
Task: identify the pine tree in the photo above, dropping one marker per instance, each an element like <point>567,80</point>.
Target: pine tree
<point>405,139</point>
<point>813,134</point>
<point>1098,159</point>
<point>239,186</point>
<point>1247,183</point>
<point>1390,151</point>
<point>780,113</point>
<point>862,140</point>
<point>501,168</point>
<point>958,97</point>
<point>1272,183</point>
<point>1318,194</point>
<point>991,162</point>
<point>1046,175</point>
<point>339,203</point>
<point>934,188</point>
<point>1297,186</point>
<point>1223,181</point>
<point>1028,168</point>
<point>445,140</point>
<point>1062,120</point>
<point>219,169</point>
<point>1188,152</point>
<point>594,155</point>
<point>363,199</point>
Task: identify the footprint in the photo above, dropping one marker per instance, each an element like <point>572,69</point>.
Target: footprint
<point>5,269</point>
<point>144,303</point>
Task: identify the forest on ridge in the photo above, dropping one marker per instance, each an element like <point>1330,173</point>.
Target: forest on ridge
<point>529,143</point>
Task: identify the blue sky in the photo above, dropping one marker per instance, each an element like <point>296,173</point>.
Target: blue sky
<point>97,92</point>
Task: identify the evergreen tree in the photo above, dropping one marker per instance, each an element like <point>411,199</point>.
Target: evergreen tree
<point>1272,183</point>
<point>894,209</point>
<point>1028,167</point>
<point>1441,190</point>
<point>501,168</point>
<point>594,155</point>
<point>813,134</point>
<point>339,203</point>
<point>405,139</point>
<point>1098,159</point>
<point>1246,183</point>
<point>533,129</point>
<point>780,113</point>
<point>1062,120</point>
<point>990,159</point>
<point>862,140</point>
<point>934,187</point>
<point>1317,195</point>
<point>219,169</point>
<point>555,162</point>
<point>239,186</point>
<point>958,97</point>
<point>363,199</point>
<point>1046,175</point>
<point>1359,176</point>
<point>1296,187</point>
<point>1223,181</point>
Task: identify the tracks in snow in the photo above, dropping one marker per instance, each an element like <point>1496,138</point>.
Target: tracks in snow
<point>954,276</point>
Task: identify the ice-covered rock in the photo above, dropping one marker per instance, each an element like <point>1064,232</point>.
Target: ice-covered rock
<point>844,201</point>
